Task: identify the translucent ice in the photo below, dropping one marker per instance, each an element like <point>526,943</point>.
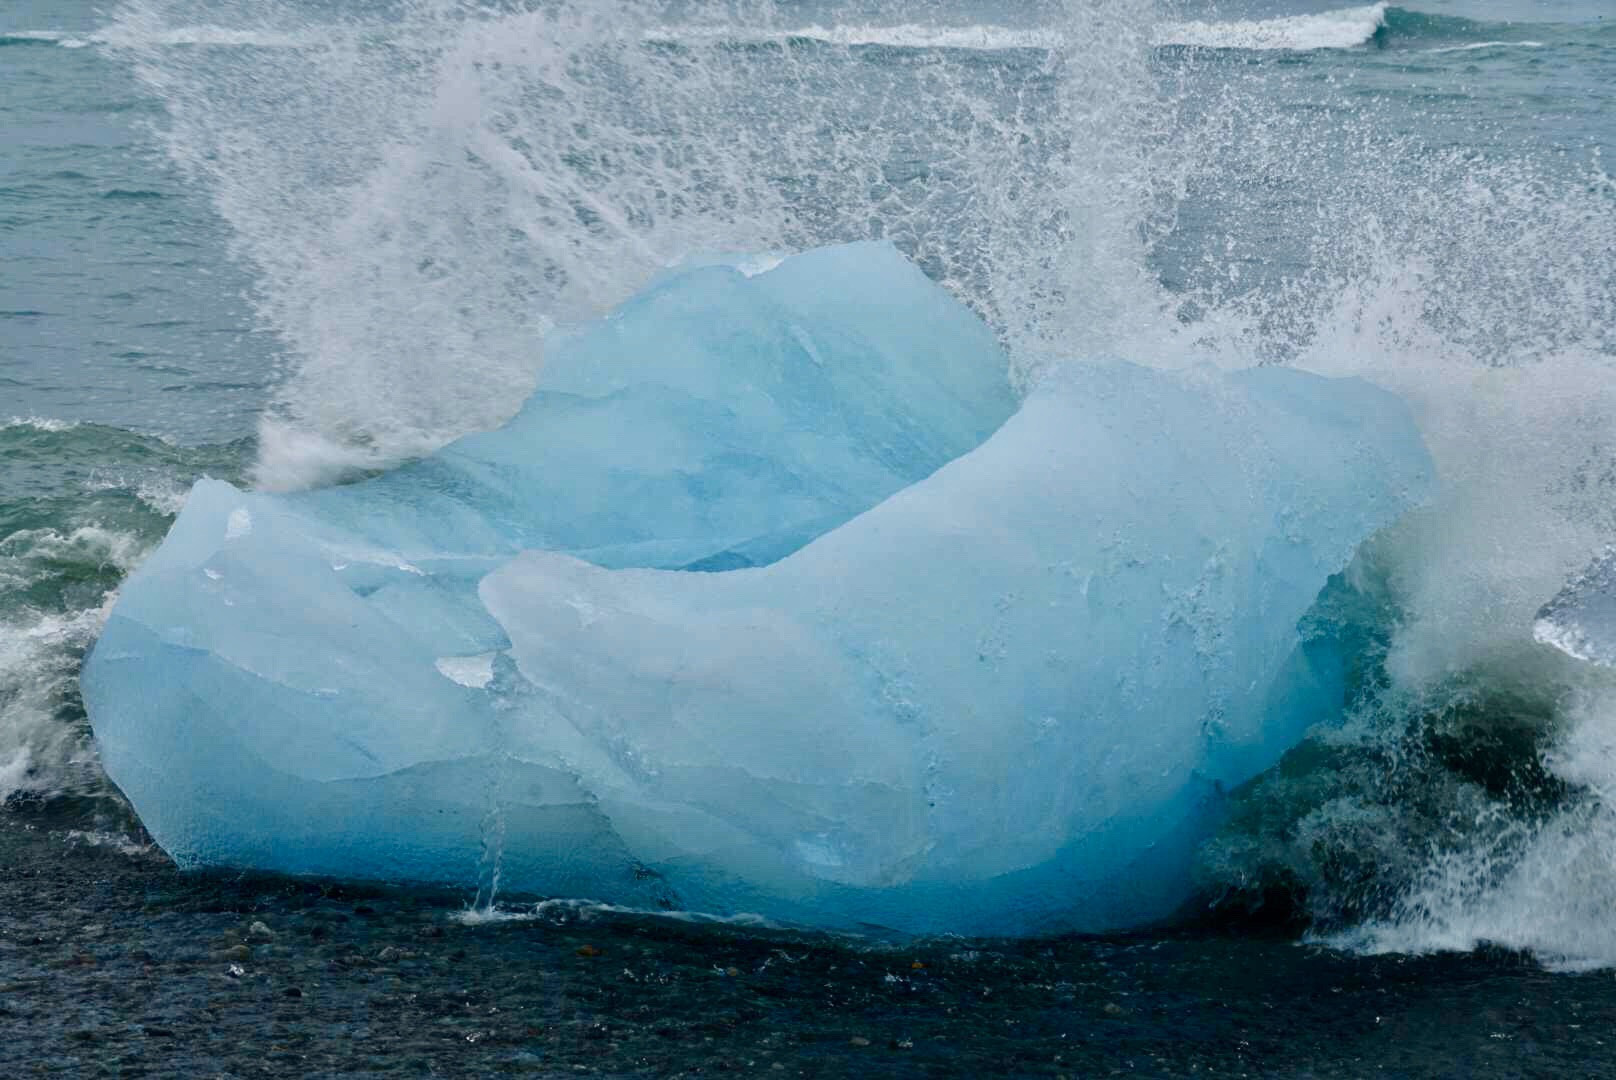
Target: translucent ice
<point>994,695</point>
<point>1581,619</point>
<point>716,420</point>
<point>1001,701</point>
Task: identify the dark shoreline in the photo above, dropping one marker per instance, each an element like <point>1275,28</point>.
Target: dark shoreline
<point>112,963</point>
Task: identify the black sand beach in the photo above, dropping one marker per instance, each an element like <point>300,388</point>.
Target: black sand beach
<point>113,963</point>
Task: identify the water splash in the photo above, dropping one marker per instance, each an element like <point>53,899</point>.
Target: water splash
<point>425,194</point>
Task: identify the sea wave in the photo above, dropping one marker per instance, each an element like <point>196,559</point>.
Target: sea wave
<point>177,36</point>
<point>38,423</point>
<point>984,38</point>
<point>208,36</point>
<point>1344,28</point>
<point>80,506</point>
<point>32,37</point>
<point>59,38</point>
<point>1340,28</point>
<point>1475,45</point>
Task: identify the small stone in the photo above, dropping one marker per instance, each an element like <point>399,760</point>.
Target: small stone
<point>93,930</point>
<point>732,972</point>
<point>858,1040</point>
<point>588,951</point>
<point>292,992</point>
<point>391,953</point>
<point>430,932</point>
<point>1112,1009</point>
<point>238,953</point>
<point>777,1067</point>
<point>259,932</point>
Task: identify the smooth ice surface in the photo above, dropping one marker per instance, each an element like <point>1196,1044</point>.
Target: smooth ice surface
<point>1581,619</point>
<point>994,695</point>
<point>309,682</point>
<point>718,419</point>
<point>1003,700</point>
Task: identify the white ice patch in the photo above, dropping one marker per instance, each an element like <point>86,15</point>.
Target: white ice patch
<point>239,524</point>
<point>475,672</point>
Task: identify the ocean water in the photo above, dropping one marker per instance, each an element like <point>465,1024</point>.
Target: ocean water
<point>291,242</point>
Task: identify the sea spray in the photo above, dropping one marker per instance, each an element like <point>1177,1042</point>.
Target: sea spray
<point>424,195</point>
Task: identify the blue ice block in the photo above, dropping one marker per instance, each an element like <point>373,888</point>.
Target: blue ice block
<point>941,674</point>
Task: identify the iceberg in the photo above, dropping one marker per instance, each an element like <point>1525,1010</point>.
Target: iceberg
<point>769,601</point>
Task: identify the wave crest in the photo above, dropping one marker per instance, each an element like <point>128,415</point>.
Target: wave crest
<point>1344,28</point>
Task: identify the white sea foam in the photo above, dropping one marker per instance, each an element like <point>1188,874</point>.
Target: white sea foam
<point>1340,29</point>
<point>125,36</point>
<point>164,494</point>
<point>118,36</point>
<point>983,37</point>
<point>1546,887</point>
<point>39,656</point>
<point>1476,45</point>
<point>1344,28</point>
<point>566,911</point>
<point>39,665</point>
<point>122,843</point>
<point>39,423</point>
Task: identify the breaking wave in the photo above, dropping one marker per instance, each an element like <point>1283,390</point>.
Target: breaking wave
<point>1342,29</point>
<point>83,504</point>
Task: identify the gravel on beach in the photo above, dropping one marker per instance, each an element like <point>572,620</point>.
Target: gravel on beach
<point>113,963</point>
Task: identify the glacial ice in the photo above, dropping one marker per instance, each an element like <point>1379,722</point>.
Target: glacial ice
<point>1580,620</point>
<point>942,678</point>
<point>716,420</point>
